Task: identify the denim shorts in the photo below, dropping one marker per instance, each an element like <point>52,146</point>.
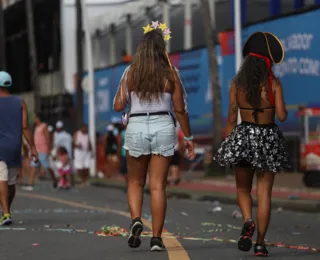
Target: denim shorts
<point>150,135</point>
<point>43,161</point>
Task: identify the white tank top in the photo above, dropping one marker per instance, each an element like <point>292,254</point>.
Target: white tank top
<point>83,140</point>
<point>138,106</point>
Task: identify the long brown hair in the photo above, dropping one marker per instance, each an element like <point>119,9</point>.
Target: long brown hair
<point>150,67</point>
<point>251,76</point>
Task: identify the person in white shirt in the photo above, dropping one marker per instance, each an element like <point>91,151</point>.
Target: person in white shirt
<point>82,153</point>
<point>62,138</point>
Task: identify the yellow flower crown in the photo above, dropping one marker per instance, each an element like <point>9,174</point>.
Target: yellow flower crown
<point>155,25</point>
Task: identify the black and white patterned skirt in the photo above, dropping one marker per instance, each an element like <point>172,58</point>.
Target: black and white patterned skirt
<point>258,146</point>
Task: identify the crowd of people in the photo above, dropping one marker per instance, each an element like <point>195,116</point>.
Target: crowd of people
<point>149,143</point>
<point>60,155</point>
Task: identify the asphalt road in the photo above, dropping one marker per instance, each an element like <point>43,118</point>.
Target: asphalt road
<point>61,226</point>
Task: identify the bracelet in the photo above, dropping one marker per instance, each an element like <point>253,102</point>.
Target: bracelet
<point>188,138</point>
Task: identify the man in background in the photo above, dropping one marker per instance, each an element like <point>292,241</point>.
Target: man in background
<point>14,125</point>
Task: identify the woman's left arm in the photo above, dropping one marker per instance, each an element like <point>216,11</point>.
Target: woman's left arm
<point>233,110</point>
<point>121,99</point>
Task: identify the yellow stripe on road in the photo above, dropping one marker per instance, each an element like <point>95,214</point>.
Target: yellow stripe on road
<point>174,248</point>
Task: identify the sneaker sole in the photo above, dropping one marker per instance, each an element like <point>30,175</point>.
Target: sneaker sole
<point>261,254</point>
<point>134,240</point>
<point>6,223</point>
<point>157,249</point>
<point>244,243</point>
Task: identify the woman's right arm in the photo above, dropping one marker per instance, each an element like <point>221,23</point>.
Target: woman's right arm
<point>280,105</point>
<point>180,108</point>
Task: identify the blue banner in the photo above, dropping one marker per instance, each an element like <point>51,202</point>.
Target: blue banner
<point>299,74</point>
<point>103,99</point>
<point>193,67</point>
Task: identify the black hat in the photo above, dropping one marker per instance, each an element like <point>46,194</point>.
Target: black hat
<point>266,44</point>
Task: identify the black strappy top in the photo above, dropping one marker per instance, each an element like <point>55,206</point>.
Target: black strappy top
<point>270,78</point>
<point>256,111</point>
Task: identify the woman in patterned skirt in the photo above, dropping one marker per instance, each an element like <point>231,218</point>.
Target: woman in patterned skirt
<point>256,145</point>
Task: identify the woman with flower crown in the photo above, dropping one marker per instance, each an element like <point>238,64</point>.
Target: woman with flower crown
<point>148,86</point>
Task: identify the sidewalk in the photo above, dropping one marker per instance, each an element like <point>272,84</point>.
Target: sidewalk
<point>286,185</point>
<point>288,193</point>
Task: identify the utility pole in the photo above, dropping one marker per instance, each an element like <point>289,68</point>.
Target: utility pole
<point>211,40</point>
<point>237,41</point>
<point>33,64</point>
<point>79,48</point>
<point>2,39</point>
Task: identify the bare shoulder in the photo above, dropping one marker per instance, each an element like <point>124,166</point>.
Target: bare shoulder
<point>233,87</point>
<point>23,103</point>
<point>276,84</point>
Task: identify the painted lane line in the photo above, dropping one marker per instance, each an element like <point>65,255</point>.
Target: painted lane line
<point>174,248</point>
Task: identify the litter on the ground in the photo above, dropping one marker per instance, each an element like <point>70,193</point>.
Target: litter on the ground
<point>279,210</point>
<point>236,214</point>
<point>217,209</point>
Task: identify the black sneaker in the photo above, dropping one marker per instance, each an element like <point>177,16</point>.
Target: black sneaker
<point>55,185</point>
<point>136,228</point>
<point>260,250</point>
<point>245,240</point>
<point>156,244</point>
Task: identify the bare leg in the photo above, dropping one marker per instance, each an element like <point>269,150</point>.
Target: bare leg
<point>137,170</point>
<point>159,166</point>
<point>264,191</point>
<point>26,167</point>
<point>169,178</point>
<point>53,177</point>
<point>33,173</point>
<point>4,196</point>
<point>80,173</point>
<point>244,177</point>
<point>107,168</point>
<point>72,182</point>
<point>12,194</point>
<point>19,177</point>
<point>175,171</point>
<point>85,176</point>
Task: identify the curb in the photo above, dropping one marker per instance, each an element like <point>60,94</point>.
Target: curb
<point>310,206</point>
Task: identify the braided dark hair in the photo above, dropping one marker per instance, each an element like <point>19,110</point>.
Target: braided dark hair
<point>252,74</point>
